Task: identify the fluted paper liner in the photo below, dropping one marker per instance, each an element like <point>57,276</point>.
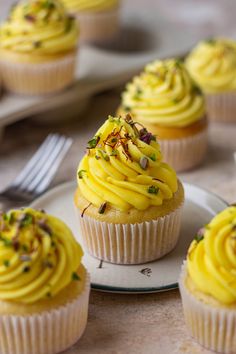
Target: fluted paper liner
<point>130,243</point>
<point>185,153</point>
<point>222,107</point>
<point>99,26</point>
<point>49,332</point>
<point>213,327</point>
<point>38,78</point>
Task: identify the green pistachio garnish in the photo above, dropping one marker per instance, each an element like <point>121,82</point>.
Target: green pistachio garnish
<point>6,262</point>
<point>104,155</point>
<point>175,100</point>
<point>198,238</point>
<point>126,108</point>
<point>53,244</point>
<point>9,217</point>
<point>114,153</point>
<point>69,24</point>
<point>200,235</point>
<point>6,242</point>
<point>178,62</point>
<point>113,119</point>
<point>210,41</point>
<point>75,276</point>
<point>138,91</point>
<point>153,157</point>
<point>80,173</point>
<point>49,5</point>
<point>153,190</point>
<point>93,142</point>
<point>25,248</point>
<point>196,89</point>
<point>26,220</point>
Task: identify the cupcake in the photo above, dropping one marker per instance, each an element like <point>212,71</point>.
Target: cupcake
<point>98,20</point>
<point>212,65</point>
<point>128,201</point>
<point>208,284</point>
<point>38,45</point>
<point>168,103</point>
<point>44,288</point>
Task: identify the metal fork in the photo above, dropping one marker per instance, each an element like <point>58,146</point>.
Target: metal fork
<point>38,172</point>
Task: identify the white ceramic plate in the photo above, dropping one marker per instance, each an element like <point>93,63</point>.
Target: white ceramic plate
<point>200,207</point>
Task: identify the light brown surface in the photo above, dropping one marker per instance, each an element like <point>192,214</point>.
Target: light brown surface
<point>132,324</point>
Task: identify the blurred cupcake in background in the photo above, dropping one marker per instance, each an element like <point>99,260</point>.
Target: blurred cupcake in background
<point>208,284</point>
<point>38,45</point>
<point>212,64</point>
<point>44,287</point>
<point>167,102</point>
<point>98,19</point>
<point>128,201</point>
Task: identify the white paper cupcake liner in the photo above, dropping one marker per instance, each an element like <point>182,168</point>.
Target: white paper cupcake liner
<point>38,78</point>
<point>222,107</point>
<point>214,328</point>
<point>98,26</point>
<point>130,243</point>
<point>49,332</point>
<point>185,153</point>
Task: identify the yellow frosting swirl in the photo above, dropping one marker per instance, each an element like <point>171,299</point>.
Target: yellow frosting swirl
<point>123,168</point>
<point>39,26</point>
<point>164,94</point>
<point>38,256</point>
<point>211,260</point>
<point>212,65</point>
<point>90,5</point>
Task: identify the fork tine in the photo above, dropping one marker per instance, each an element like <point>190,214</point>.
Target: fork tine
<point>40,162</point>
<point>47,165</point>
<point>53,168</point>
<point>33,161</point>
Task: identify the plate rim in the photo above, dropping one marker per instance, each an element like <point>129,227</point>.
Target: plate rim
<point>138,290</point>
<point>120,289</point>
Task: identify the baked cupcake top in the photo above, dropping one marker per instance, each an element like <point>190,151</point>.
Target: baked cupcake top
<point>123,168</point>
<point>39,256</point>
<point>164,94</point>
<point>90,5</point>
<point>211,261</point>
<point>39,27</point>
<point>212,65</point>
